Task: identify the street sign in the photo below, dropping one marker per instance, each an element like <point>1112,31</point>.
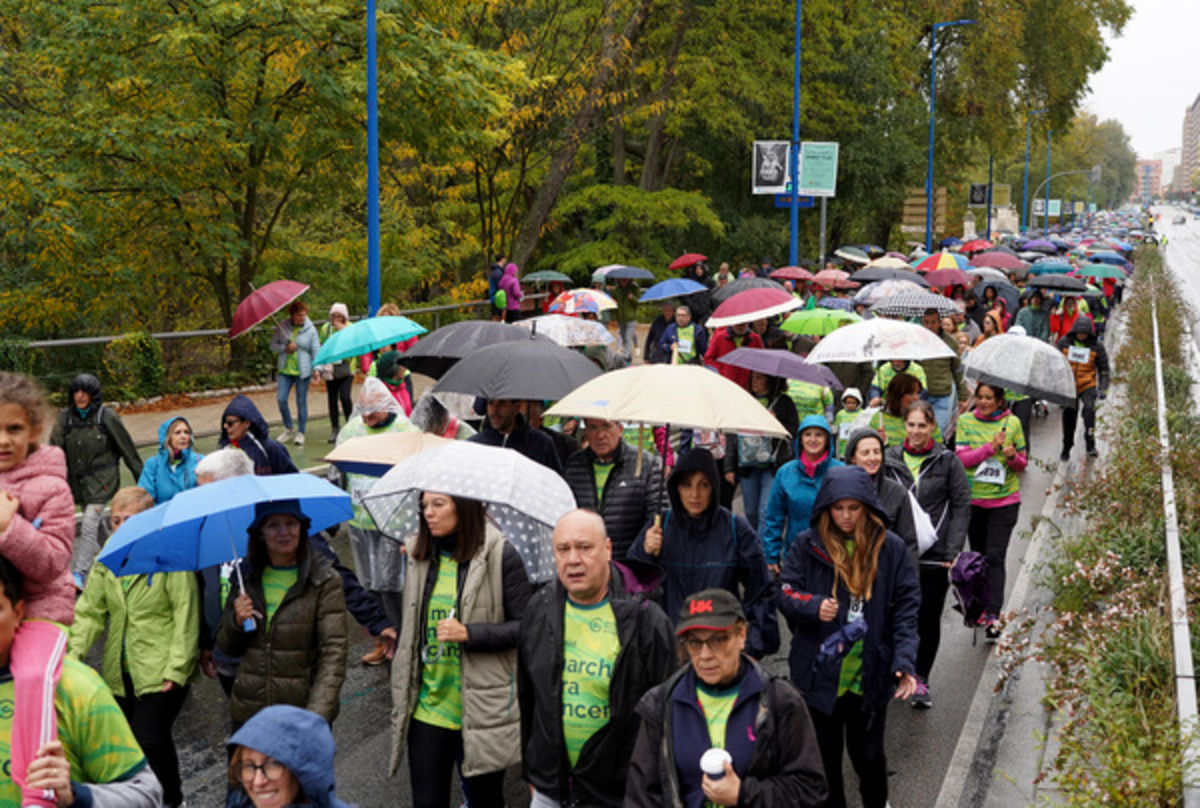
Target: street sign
<point>769,174</point>
<point>1079,207</point>
<point>977,197</point>
<point>785,201</point>
<point>1039,207</point>
<point>1001,195</point>
<point>818,169</point>
<point>913,220</point>
<point>1056,207</point>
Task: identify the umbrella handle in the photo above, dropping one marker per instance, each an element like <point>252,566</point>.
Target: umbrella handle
<point>248,624</point>
<point>637,472</point>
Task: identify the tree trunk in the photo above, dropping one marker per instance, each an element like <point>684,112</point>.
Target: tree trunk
<point>585,117</point>
<point>653,172</point>
<point>618,153</point>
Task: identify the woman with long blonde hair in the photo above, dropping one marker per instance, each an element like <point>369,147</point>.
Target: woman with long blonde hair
<point>849,593</point>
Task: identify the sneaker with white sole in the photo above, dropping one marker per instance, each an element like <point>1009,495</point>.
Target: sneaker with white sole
<point>922,699</point>
<point>286,435</point>
<point>299,439</point>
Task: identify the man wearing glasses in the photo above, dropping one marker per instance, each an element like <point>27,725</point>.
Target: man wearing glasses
<point>588,651</point>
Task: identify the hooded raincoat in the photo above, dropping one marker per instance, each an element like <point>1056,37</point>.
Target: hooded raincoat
<point>167,473</point>
<point>713,550</point>
<point>299,740</point>
<point>793,494</point>
<point>269,455</point>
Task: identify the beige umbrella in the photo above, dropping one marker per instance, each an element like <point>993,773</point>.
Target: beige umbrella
<point>374,455</point>
<point>678,395</point>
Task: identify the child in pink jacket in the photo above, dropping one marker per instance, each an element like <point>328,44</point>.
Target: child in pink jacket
<point>37,531</point>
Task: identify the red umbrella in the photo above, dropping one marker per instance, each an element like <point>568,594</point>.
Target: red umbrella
<point>751,305</point>
<point>941,278</point>
<point>792,274</point>
<point>998,260</point>
<point>830,277</point>
<point>686,260</point>
<point>976,245</point>
<point>262,303</point>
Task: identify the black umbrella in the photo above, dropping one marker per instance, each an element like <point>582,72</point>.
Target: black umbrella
<point>870,274</point>
<point>730,289</point>
<point>1058,283</point>
<point>1005,290</point>
<point>633,273</point>
<point>526,369</point>
<point>439,351</point>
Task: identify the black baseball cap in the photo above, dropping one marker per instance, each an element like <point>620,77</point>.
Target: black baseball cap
<point>713,609</point>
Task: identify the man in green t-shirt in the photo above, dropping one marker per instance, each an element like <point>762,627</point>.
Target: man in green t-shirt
<point>96,760</point>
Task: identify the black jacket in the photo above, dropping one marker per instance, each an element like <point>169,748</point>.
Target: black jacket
<point>944,493</point>
<point>647,657</point>
<point>533,443</point>
<point>629,501</point>
<point>95,443</point>
<point>785,768</point>
<point>651,351</point>
<point>892,495</point>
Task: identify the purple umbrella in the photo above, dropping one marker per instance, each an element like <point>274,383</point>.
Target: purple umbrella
<point>785,364</point>
<point>1039,245</point>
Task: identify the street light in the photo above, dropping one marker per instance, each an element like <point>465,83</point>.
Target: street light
<point>374,296</point>
<point>1025,187</point>
<point>932,88</point>
<point>1046,217</point>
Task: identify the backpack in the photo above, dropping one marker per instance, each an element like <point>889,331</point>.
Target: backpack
<point>968,579</point>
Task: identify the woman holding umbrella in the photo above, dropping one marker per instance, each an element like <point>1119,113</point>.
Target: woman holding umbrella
<point>454,676</point>
<point>991,446</point>
<point>286,619</point>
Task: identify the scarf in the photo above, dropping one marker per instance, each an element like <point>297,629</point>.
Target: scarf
<point>810,466</point>
<point>908,448</point>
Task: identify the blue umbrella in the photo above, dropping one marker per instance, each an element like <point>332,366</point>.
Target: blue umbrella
<point>839,303</point>
<point>1108,257</point>
<point>365,336</point>
<point>673,287</point>
<point>207,525</point>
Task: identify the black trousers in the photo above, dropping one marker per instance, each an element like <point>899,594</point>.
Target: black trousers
<point>935,582</point>
<point>861,735</point>
<point>338,390</point>
<point>1023,409</point>
<point>1086,401</point>
<point>151,718</point>
<point>988,532</point>
<point>432,755</point>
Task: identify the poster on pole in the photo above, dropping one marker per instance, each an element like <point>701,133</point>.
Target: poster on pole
<point>1055,207</point>
<point>818,169</point>
<point>1001,195</point>
<point>1039,207</point>
<point>977,197</point>
<point>1078,207</point>
<point>770,169</point>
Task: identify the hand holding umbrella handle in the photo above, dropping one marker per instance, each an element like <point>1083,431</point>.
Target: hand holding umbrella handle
<point>653,541</point>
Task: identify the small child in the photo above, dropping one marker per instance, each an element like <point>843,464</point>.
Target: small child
<point>37,533</point>
<point>842,423</point>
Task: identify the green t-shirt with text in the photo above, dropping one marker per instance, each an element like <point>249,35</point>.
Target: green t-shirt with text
<point>440,700</point>
<point>276,581</point>
<point>601,471</point>
<point>717,706</point>
<point>96,738</point>
<point>590,648</point>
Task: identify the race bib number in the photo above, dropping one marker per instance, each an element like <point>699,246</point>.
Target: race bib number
<point>990,471</point>
<point>685,346</point>
<point>856,610</point>
<point>1079,355</point>
<point>844,431</point>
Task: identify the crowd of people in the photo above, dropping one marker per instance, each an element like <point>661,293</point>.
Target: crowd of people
<point>634,677</point>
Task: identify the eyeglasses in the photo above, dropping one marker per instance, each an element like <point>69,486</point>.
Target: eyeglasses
<point>228,422</point>
<point>271,769</point>
<point>715,642</point>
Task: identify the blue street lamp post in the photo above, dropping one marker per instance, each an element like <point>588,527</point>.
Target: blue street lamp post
<point>1046,218</point>
<point>932,89</point>
<point>374,295</point>
<point>793,242</point>
<point>1025,187</point>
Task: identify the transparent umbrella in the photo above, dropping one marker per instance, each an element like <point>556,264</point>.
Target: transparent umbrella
<point>1023,364</point>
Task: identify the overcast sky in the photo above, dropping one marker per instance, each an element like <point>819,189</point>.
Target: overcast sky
<point>1151,77</point>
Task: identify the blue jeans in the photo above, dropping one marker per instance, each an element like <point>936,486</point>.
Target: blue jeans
<point>943,410</point>
<point>286,383</point>
<point>756,491</point>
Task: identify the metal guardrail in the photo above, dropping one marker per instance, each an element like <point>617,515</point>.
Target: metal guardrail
<point>1185,675</point>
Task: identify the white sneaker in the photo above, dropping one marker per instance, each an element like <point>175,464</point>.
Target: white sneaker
<point>299,440</point>
<point>286,435</point>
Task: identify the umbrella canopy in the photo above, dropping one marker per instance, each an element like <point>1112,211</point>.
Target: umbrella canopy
<point>950,241</point>
<point>915,304</point>
<point>889,261</point>
<point>880,339</point>
<point>987,274</point>
<point>791,274</point>
<point>1049,267</point>
<point>262,303</point>
<point>852,254</point>
<point>374,455</point>
<point>871,274</point>
<point>1059,283</point>
<point>529,369</point>
<point>873,293</point>
<point>679,395</point>
<point>1101,271</point>
<point>569,331</point>
<point>439,351</point>
<point>942,259</point>
<point>941,278</point>
<point>672,287</point>
<point>872,250</point>
<point>838,303</point>
<point>365,336</point>
<point>976,245</point>
<point>1024,365</point>
<point>576,301</point>
<point>523,497</point>
<point>785,364</point>
<point>816,322</point>
<point>1040,245</point>
<point>614,272</point>
<point>751,305</point>
<point>687,260</point>
<point>546,276</point>
<point>742,284</point>
<point>998,260</point>
<point>1108,257</point>
<point>207,525</point>
<point>1004,289</point>
<point>830,277</point>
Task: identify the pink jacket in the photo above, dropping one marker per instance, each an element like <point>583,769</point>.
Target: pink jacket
<point>42,551</point>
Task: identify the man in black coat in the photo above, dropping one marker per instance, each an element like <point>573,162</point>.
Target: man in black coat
<point>506,427</point>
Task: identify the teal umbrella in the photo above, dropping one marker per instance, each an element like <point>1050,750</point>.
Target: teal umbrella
<point>365,336</point>
<point>546,276</point>
<point>1101,271</point>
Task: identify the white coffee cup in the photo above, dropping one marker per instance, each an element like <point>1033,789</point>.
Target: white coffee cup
<point>713,762</point>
